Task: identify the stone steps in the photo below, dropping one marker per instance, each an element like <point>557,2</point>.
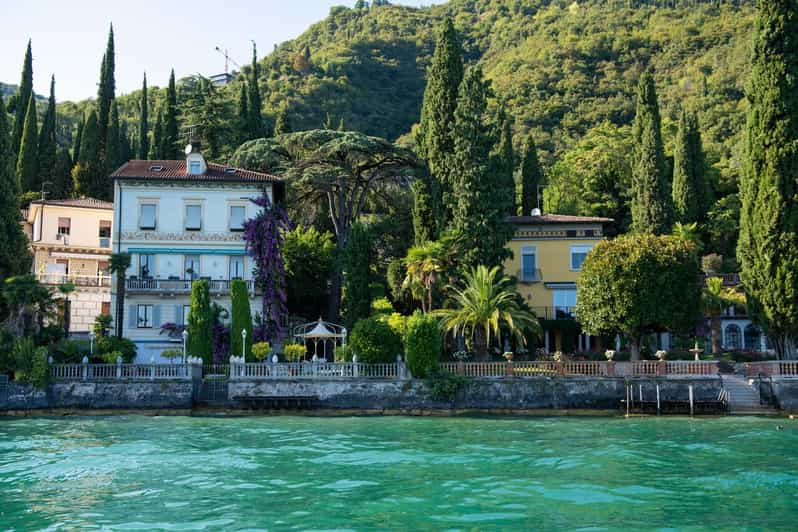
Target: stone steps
<point>744,397</point>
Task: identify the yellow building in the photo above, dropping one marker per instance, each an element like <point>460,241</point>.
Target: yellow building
<point>71,241</point>
<point>548,251</point>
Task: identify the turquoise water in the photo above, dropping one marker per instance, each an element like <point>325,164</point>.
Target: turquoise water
<point>144,473</point>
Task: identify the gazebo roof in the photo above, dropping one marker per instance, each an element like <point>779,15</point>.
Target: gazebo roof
<point>321,331</point>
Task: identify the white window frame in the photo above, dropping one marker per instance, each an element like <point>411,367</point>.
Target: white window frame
<point>578,249</point>
<point>243,261</point>
<point>68,225</point>
<point>230,217</point>
<point>186,312</point>
<point>192,170</point>
<point>154,205</point>
<point>196,271</point>
<point>152,266</point>
<point>148,311</point>
<point>185,216</point>
<point>525,251</point>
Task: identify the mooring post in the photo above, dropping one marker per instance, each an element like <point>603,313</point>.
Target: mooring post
<point>691,400</point>
<point>627,400</point>
<point>640,388</point>
<point>658,406</point>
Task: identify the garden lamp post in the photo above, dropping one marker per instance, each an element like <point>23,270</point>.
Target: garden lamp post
<point>244,345</point>
<point>91,343</point>
<point>185,337</point>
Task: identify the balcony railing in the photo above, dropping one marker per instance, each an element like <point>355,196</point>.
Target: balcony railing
<point>175,286</point>
<point>528,276</point>
<point>554,313</point>
<point>99,280</point>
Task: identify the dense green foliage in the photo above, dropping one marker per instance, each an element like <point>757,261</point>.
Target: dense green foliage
<point>374,341</point>
<point>14,255</point>
<point>144,125</point>
<point>422,344</point>
<point>241,319</point>
<point>24,92</point>
<point>529,177</point>
<point>47,149</point>
<point>768,247</point>
<point>200,323</point>
<point>169,141</point>
<point>106,92</point>
<point>357,263</point>
<point>619,277</point>
<point>28,159</point>
<point>308,256</point>
<point>692,194</point>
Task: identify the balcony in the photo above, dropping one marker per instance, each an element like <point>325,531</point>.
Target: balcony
<point>529,276</point>
<point>554,313</point>
<point>134,285</point>
<point>56,279</point>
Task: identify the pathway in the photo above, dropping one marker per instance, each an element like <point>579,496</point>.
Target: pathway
<point>744,396</point>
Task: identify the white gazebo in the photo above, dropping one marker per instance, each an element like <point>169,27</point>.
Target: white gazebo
<point>320,331</point>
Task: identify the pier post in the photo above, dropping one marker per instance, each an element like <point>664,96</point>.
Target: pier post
<point>658,405</point>
<point>691,400</point>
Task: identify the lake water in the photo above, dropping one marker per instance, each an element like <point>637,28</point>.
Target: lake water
<point>401,473</point>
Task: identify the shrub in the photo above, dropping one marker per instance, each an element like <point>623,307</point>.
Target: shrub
<point>381,306</point>
<point>444,385</point>
<point>111,356</point>
<point>69,351</point>
<point>261,350</point>
<point>171,354</point>
<point>40,369</point>
<point>374,341</point>
<point>241,318</point>
<point>294,352</point>
<point>102,324</point>
<point>110,344</point>
<point>24,352</point>
<point>398,323</point>
<point>343,353</point>
<point>422,344</point>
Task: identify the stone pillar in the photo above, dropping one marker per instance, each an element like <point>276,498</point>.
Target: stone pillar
<point>85,368</point>
<point>509,370</point>
<point>546,341</point>
<point>661,367</point>
<point>118,368</point>
<point>610,368</point>
<point>355,369</point>
<point>401,368</point>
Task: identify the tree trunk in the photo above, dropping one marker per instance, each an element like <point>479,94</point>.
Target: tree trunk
<point>120,304</point>
<point>634,348</point>
<point>714,324</point>
<point>481,345</point>
<point>334,307</point>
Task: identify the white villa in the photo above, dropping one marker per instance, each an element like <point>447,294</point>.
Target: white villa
<point>181,221</point>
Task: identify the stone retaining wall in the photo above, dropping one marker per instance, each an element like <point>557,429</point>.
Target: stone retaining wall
<point>786,391</point>
<point>100,395</point>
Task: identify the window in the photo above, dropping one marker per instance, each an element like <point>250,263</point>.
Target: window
<point>733,340</point>
<point>146,266</point>
<point>194,168</point>
<point>147,218</point>
<point>193,217</point>
<point>237,213</point>
<point>564,300</point>
<point>236,267</point>
<point>578,255</point>
<point>144,313</point>
<point>186,312</point>
<point>529,264</point>
<point>64,225</point>
<point>105,229</point>
<point>191,267</point>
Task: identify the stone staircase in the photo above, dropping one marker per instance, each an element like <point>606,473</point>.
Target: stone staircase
<point>744,397</point>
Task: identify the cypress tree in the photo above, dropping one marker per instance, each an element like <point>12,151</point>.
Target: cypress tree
<point>435,137</point>
<point>691,190</point>
<point>768,244</point>
<point>14,255</point>
<point>357,274</point>
<point>126,148</point>
<point>62,176</point>
<point>243,114</point>
<point>200,322</point>
<point>424,222</point>
<point>47,144</point>
<point>169,137</point>
<point>88,175</point>
<point>112,159</point>
<point>504,164</point>
<point>240,319</point>
<point>156,144</point>
<point>27,160</point>
<point>254,103</point>
<point>530,178</point>
<point>144,129</point>
<point>651,198</point>
<point>23,95</point>
<point>77,140</point>
<point>105,92</point>
<point>90,140</point>
<point>478,220</point>
<point>282,123</point>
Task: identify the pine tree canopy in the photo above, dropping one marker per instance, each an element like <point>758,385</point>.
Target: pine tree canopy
<point>106,90</point>
<point>169,135</point>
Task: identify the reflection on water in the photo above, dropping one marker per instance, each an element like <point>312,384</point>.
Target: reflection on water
<point>397,473</point>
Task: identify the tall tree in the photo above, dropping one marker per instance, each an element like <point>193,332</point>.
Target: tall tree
<point>112,140</point>
<point>282,124</point>
<point>478,220</point>
<point>156,142</point>
<point>691,190</point>
<point>504,164</point>
<point>424,222</point>
<point>78,139</point>
<point>144,128</point>
<point>23,95</point>
<point>14,256</point>
<point>435,135</point>
<point>530,176</point>
<point>254,103</point>
<point>105,94</point>
<point>243,114</point>
<point>47,144</point>
<point>169,139</point>
<point>357,259</point>
<point>768,244</point>
<point>651,198</point>
<point>200,322</point>
<point>27,160</point>
<point>207,111</point>
<point>62,185</point>
<point>240,319</point>
<point>88,175</point>
<point>118,263</point>
<point>90,140</point>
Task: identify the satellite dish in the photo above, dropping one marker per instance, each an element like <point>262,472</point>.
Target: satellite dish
<point>189,148</point>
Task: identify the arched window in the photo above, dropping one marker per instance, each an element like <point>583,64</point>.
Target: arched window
<point>733,337</point>
<point>753,338</point>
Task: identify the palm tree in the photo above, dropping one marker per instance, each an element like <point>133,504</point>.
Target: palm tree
<point>424,264</point>
<point>487,303</point>
<point>118,263</point>
<point>715,300</point>
<point>65,289</point>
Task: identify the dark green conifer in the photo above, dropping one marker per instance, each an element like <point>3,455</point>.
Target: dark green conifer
<point>78,139</point>
<point>282,124</point>
<point>90,139</point>
<point>435,138</point>
<point>243,113</point>
<point>112,141</point>
<point>144,128</point>
<point>768,244</point>
<point>651,198</point>
<point>240,319</point>
<point>14,255</point>
<point>156,144</point>
<point>23,95</point>
<point>27,160</point>
<point>529,179</point>
<point>254,103</point>
<point>169,138</point>
<point>478,220</point>
<point>47,143</point>
<point>691,190</point>
<point>504,164</point>
<point>357,262</point>
<point>62,187</point>
<point>424,222</point>
<point>88,176</point>
<point>105,93</point>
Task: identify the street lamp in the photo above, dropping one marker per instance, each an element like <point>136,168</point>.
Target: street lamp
<point>185,337</point>
<point>91,343</point>
<point>244,345</point>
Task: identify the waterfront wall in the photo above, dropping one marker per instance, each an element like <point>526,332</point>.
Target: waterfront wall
<point>100,395</point>
<point>785,390</point>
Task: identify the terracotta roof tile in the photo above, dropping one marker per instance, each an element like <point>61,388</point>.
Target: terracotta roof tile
<point>87,203</point>
<point>176,171</point>
<point>556,219</point>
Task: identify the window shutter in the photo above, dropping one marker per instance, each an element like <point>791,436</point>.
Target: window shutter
<point>156,316</point>
<point>132,317</point>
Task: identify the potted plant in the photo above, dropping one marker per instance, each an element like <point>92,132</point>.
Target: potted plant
<point>261,351</point>
<point>609,354</point>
